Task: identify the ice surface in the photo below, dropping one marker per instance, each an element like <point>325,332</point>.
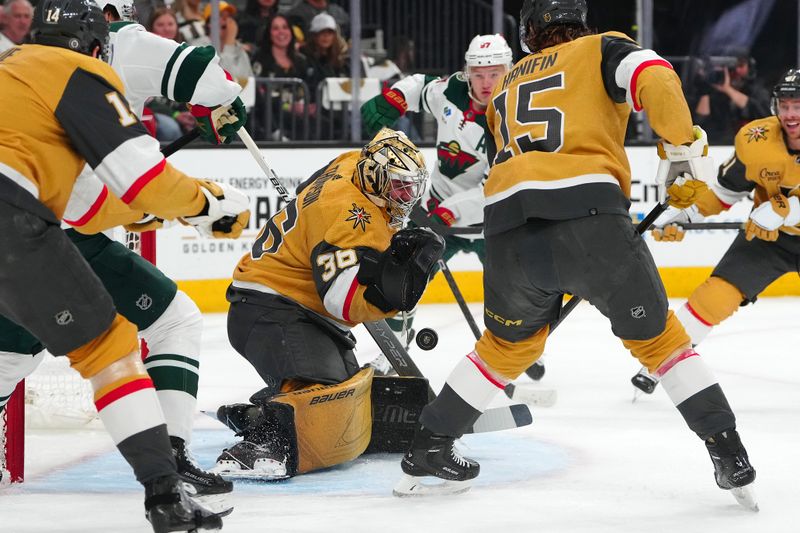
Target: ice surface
<point>595,462</point>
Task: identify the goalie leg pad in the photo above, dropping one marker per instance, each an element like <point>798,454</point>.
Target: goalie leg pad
<point>333,423</point>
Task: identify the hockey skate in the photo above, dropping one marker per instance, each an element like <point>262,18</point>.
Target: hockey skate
<point>205,487</point>
<point>168,507</point>
<point>382,366</point>
<point>248,460</point>
<point>732,468</point>
<point>433,455</point>
<point>644,382</point>
<point>536,370</point>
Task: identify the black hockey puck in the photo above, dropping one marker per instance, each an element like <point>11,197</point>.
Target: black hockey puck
<point>427,339</point>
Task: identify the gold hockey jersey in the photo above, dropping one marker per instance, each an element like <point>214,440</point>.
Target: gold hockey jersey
<point>558,119</point>
<point>60,109</point>
<point>761,163</point>
<point>309,252</point>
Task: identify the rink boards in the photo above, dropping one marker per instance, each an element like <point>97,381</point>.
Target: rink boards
<point>203,266</point>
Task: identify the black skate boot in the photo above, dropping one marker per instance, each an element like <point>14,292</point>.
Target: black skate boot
<point>732,468</point>
<point>536,370</point>
<point>238,416</point>
<point>644,381</point>
<point>204,486</point>
<point>435,455</point>
<point>169,508</point>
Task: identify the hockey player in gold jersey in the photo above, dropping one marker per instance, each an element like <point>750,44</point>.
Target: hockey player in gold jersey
<point>766,163</point>
<point>63,108</point>
<point>331,259</point>
<point>557,222</point>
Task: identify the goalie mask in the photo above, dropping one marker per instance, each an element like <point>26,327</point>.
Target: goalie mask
<point>77,25</point>
<point>787,87</point>
<point>541,14</point>
<point>392,173</point>
<point>124,8</point>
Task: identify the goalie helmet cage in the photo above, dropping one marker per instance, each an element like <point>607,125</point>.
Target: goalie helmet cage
<point>12,420</point>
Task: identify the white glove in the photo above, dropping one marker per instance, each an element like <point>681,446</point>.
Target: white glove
<point>667,227</point>
<point>227,212</point>
<point>777,212</point>
<point>687,161</point>
<point>793,218</point>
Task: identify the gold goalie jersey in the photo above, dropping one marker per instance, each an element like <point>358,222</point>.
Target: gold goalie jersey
<point>762,163</point>
<point>310,251</point>
<point>558,119</point>
<point>60,109</point>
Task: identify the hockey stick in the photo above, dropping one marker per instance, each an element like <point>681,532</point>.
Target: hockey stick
<point>180,142</point>
<point>712,225</point>
<point>493,419</point>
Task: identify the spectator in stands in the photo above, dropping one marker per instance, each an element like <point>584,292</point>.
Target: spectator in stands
<point>15,22</point>
<point>191,24</point>
<point>728,97</point>
<point>277,57</point>
<point>326,50</point>
<point>233,56</point>
<point>172,119</point>
<point>301,14</point>
<point>253,21</point>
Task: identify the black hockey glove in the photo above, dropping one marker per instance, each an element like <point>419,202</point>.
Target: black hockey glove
<point>397,277</point>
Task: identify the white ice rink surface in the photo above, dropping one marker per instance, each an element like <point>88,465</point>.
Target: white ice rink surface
<point>595,462</point>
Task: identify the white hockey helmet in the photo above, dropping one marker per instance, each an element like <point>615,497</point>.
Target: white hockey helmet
<point>125,8</point>
<point>487,51</point>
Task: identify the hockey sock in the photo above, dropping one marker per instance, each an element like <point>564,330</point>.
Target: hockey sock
<point>697,327</point>
<point>466,394</point>
<point>694,390</point>
<point>132,416</point>
<point>173,362</point>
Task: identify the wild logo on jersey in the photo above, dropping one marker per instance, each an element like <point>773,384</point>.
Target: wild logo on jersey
<point>359,217</point>
<point>757,133</point>
<point>453,161</point>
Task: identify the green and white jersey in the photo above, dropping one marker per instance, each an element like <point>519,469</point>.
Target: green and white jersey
<point>462,165</point>
<point>150,65</point>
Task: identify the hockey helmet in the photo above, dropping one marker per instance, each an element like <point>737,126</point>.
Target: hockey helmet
<point>488,50</point>
<point>125,9</point>
<point>541,14</point>
<point>787,87</point>
<point>392,173</point>
<point>77,25</point>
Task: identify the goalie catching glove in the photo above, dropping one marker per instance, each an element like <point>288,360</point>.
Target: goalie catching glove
<point>668,224</point>
<point>768,217</point>
<point>688,166</point>
<point>397,277</point>
<point>383,110</point>
<point>220,124</point>
<point>226,214</point>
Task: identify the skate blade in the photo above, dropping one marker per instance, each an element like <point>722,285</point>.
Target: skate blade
<point>532,395</point>
<point>216,503</point>
<point>411,486</point>
<point>746,497</point>
<point>265,470</point>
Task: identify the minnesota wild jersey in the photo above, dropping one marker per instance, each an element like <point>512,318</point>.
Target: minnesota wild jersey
<point>150,65</point>
<point>762,164</point>
<point>461,166</point>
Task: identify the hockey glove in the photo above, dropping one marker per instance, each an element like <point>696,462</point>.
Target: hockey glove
<point>397,277</point>
<point>226,214</point>
<point>667,225</point>
<point>220,124</point>
<point>383,110</point>
<point>765,219</point>
<point>443,216</point>
<point>691,162</point>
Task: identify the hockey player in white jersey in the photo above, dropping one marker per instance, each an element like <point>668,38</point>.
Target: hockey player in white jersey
<point>458,102</point>
<point>167,319</point>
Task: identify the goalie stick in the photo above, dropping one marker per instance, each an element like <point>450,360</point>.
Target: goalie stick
<point>492,420</point>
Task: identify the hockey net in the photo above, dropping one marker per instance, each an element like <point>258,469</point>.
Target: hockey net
<point>54,396</point>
